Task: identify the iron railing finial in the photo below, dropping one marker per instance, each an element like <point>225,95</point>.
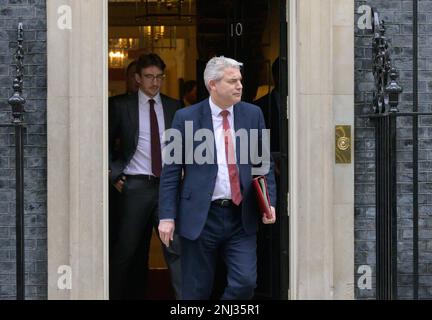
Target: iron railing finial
<point>17,101</point>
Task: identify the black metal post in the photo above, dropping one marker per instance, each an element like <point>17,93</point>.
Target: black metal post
<point>17,103</point>
<point>386,231</point>
<point>385,109</point>
<point>20,253</point>
<point>379,204</point>
<point>415,153</point>
<point>392,214</point>
<point>393,90</point>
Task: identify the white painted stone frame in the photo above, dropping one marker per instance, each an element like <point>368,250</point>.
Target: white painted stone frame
<point>77,149</point>
<point>321,206</point>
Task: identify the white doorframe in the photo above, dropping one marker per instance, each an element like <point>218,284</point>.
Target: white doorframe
<point>77,130</point>
<point>321,96</point>
<point>77,113</point>
<point>105,152</point>
<point>292,136</point>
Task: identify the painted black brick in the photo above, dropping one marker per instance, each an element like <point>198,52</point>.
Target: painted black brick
<point>398,15</point>
<point>32,13</point>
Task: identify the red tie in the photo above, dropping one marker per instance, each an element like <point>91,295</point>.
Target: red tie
<point>236,196</point>
<point>156,158</point>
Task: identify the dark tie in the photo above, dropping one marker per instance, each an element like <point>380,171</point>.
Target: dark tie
<point>236,196</point>
<point>156,158</point>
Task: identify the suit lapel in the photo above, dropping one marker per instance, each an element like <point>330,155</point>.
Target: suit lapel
<point>238,124</point>
<point>167,112</point>
<point>239,118</point>
<point>133,110</point>
<point>206,122</point>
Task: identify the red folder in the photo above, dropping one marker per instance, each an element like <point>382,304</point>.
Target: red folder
<point>262,195</point>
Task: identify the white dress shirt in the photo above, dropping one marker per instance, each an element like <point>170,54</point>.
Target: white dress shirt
<point>141,160</point>
<point>222,188</point>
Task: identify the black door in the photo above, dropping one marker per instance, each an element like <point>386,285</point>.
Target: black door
<point>245,30</point>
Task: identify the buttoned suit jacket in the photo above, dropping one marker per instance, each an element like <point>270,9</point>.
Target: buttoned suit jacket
<point>186,188</point>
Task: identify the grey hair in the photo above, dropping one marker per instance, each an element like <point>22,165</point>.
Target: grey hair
<point>215,68</point>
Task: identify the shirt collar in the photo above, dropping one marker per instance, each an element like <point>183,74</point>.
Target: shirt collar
<point>215,110</point>
<point>145,98</point>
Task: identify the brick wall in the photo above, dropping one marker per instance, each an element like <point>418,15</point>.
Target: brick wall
<point>398,15</point>
<point>33,15</point>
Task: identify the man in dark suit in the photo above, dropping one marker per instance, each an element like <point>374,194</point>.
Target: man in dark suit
<point>189,96</point>
<point>139,121</point>
<point>270,106</point>
<point>115,197</point>
<point>131,84</point>
<point>214,208</point>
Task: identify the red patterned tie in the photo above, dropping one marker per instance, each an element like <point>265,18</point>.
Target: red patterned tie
<point>236,196</point>
<point>156,157</point>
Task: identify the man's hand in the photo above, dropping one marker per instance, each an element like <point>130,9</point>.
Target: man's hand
<point>119,185</point>
<point>272,219</point>
<point>166,231</point>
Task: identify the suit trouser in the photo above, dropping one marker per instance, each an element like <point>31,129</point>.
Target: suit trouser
<point>223,233</point>
<point>130,257</point>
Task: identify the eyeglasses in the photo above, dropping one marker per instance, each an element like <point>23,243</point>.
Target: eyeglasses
<point>152,77</point>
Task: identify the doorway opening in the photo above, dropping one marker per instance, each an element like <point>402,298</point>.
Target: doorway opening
<point>186,34</point>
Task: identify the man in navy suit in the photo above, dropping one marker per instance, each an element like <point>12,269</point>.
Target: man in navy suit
<point>211,204</point>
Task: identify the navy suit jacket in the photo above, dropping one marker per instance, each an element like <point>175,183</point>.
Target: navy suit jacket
<point>188,199</point>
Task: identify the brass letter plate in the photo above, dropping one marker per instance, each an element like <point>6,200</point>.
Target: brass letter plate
<point>343,144</point>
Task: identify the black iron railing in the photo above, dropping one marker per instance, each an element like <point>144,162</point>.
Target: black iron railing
<point>385,103</point>
<point>17,102</point>
<point>384,114</point>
